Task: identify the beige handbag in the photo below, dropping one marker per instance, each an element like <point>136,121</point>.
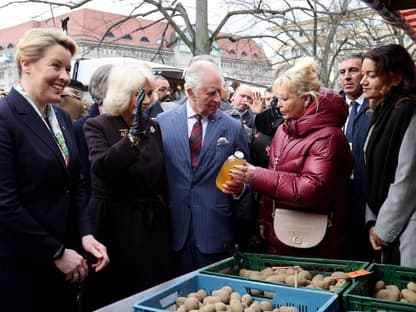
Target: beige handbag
<point>299,229</point>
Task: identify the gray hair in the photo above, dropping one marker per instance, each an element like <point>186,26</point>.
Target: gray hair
<point>122,81</point>
<point>352,56</point>
<point>160,77</point>
<point>195,72</point>
<point>99,83</point>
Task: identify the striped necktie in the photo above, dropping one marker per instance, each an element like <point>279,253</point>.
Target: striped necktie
<point>195,141</point>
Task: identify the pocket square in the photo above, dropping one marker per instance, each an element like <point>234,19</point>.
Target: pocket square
<point>222,141</point>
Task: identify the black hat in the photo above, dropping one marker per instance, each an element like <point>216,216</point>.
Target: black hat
<point>76,85</point>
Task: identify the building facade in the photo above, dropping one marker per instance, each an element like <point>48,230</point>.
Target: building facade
<point>101,34</point>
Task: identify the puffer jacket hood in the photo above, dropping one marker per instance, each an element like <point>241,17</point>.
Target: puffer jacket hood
<point>331,110</point>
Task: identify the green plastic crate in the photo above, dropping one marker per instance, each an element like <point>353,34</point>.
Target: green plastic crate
<point>230,267</point>
<point>358,297</point>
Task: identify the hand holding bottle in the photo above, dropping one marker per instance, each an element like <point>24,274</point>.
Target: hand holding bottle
<point>243,173</point>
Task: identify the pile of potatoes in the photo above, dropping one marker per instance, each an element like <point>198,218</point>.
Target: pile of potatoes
<point>392,292</point>
<point>225,300</point>
<point>296,276</point>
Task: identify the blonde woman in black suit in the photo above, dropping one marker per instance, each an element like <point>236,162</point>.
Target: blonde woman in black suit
<point>41,193</point>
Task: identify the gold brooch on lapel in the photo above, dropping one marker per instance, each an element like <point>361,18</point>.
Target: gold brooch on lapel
<point>124,132</point>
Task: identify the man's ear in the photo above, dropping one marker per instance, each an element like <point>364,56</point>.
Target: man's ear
<point>191,93</point>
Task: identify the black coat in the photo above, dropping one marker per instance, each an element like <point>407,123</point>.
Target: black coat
<point>82,146</point>
<point>127,209</point>
<point>41,201</point>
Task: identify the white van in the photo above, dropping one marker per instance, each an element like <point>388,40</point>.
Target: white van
<point>82,70</point>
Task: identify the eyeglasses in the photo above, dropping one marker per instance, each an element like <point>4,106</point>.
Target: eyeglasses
<point>164,89</point>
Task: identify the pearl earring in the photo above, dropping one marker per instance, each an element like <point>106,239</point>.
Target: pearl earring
<point>305,105</point>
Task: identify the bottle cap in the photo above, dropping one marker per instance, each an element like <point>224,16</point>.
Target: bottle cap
<point>239,154</point>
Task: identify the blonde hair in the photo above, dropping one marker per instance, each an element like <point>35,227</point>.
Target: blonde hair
<point>122,81</point>
<point>35,41</point>
<point>302,78</point>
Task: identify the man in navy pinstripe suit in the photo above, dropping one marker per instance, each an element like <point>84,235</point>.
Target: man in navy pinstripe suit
<point>202,217</point>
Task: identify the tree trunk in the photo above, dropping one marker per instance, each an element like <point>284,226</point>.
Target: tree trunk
<point>202,45</point>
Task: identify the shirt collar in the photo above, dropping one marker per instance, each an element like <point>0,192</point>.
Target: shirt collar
<point>360,100</point>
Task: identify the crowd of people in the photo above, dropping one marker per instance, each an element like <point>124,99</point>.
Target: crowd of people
<point>98,204</point>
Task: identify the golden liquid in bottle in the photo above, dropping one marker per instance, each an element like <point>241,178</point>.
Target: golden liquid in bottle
<point>224,174</point>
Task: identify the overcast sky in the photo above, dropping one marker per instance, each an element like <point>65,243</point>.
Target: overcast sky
<point>19,13</point>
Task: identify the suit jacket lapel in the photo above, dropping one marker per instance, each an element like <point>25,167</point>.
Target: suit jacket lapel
<point>211,134</point>
<point>181,125</point>
<point>363,109</point>
<point>32,120</point>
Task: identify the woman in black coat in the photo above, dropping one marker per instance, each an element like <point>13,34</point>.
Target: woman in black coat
<point>44,227</point>
<point>128,188</point>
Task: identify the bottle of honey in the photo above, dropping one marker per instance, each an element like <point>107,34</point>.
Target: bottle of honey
<point>224,174</point>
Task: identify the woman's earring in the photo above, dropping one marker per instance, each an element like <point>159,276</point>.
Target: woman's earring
<point>305,105</point>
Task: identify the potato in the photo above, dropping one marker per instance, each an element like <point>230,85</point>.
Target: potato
<point>227,289</point>
<point>201,294</point>
<point>209,307</point>
<point>277,278</point>
<point>306,274</point>
<point>379,285</point>
<point>254,275</point>
<point>246,298</point>
<point>180,301</point>
<point>267,272</point>
<point>317,284</point>
<point>249,309</point>
<point>317,277</point>
<point>223,295</point>
<point>269,294</point>
<point>211,299</point>
<point>181,309</point>
<point>387,294</point>
<point>266,306</point>
<point>256,306</point>
<point>290,280</point>
<point>220,306</point>
<point>243,272</point>
<point>191,303</point>
<point>290,271</point>
<point>409,295</point>
<point>395,291</point>
<point>236,306</point>
<point>280,271</point>
<point>329,280</point>
<point>339,274</point>
<point>235,295</point>
<point>411,286</point>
